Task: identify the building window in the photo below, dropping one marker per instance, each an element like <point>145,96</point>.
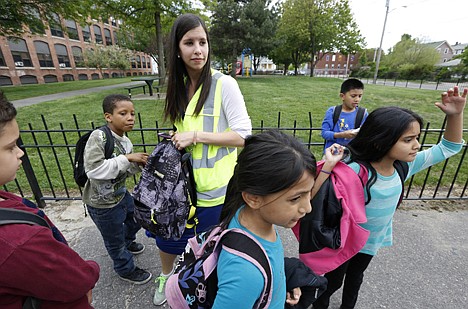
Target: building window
<point>327,58</point>
<point>56,26</point>
<point>94,76</point>
<point>116,41</point>
<point>134,63</point>
<point>72,30</point>
<point>445,59</point>
<point>86,33</point>
<point>333,66</point>
<point>78,56</point>
<point>82,77</point>
<point>326,65</point>
<point>338,66</point>
<point>43,54</point>
<point>2,60</point>
<point>50,79</point>
<point>333,57</point>
<point>446,51</point>
<point>138,62</point>
<point>20,53</point>
<point>5,81</point>
<point>62,56</point>
<point>68,78</point>
<point>143,61</point>
<point>28,79</point>
<point>97,34</point>
<point>107,35</point>
<point>148,63</point>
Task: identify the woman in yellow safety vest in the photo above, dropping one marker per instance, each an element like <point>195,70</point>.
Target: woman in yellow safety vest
<point>208,111</point>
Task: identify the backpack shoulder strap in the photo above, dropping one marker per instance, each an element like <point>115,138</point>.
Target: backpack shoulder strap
<point>402,169</point>
<point>336,114</point>
<point>244,245</point>
<point>359,116</point>
<point>109,147</point>
<point>16,216</point>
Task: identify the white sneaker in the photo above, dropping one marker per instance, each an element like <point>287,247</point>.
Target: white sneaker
<point>160,293</point>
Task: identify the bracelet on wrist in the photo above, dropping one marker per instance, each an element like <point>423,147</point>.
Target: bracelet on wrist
<point>194,140</point>
<point>326,172</point>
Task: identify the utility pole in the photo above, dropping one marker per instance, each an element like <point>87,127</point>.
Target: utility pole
<point>380,47</point>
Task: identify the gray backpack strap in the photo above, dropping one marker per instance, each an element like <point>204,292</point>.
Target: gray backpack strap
<point>16,216</point>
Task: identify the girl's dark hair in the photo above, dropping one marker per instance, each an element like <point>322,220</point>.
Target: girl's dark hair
<point>270,162</point>
<point>381,130</point>
<point>7,111</point>
<point>176,96</point>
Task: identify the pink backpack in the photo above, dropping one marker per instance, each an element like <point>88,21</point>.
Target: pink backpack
<point>194,283</point>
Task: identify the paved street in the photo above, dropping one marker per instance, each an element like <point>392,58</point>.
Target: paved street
<point>426,268</point>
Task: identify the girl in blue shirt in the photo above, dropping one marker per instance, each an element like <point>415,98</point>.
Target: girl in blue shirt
<point>389,134</point>
<point>271,185</point>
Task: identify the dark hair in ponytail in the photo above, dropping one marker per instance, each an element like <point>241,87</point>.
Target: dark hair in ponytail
<point>379,133</point>
<point>270,162</point>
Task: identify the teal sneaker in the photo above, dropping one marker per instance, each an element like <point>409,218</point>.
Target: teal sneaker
<point>160,293</point>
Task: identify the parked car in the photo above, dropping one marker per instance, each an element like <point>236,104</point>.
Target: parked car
<point>299,72</point>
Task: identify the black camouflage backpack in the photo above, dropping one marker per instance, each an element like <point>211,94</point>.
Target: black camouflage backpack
<point>166,192</point>
<point>78,167</point>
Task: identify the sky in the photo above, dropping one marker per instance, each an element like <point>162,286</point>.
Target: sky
<point>428,20</point>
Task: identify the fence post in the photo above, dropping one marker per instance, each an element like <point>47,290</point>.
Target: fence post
<point>28,170</point>
<point>437,85</point>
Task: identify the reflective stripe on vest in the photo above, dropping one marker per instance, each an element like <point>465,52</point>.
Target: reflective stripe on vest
<point>213,166</point>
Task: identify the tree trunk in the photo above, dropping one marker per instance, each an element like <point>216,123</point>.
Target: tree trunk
<point>234,63</point>
<point>160,44</point>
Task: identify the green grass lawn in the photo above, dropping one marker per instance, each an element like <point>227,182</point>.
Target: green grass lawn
<point>29,91</point>
<point>292,96</point>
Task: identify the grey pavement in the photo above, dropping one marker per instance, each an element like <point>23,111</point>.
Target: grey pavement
<point>426,268</point>
<point>61,95</point>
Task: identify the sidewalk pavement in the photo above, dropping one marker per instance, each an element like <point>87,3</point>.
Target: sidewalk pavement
<point>61,95</point>
<point>426,268</point>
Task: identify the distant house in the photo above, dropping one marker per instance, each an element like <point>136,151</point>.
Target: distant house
<point>335,63</point>
<point>444,49</point>
<point>459,48</point>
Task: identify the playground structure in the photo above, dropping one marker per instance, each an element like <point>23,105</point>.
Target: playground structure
<point>243,66</point>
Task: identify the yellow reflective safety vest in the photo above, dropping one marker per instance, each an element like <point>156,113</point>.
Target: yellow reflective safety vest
<point>213,166</point>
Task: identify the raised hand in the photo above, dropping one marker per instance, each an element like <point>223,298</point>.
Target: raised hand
<point>452,102</point>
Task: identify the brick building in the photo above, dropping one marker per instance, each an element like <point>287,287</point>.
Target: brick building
<point>335,64</point>
<point>57,55</point>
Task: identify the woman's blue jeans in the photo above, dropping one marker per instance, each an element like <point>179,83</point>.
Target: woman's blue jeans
<point>118,229</point>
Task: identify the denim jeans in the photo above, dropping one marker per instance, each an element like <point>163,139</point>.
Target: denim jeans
<point>118,229</point>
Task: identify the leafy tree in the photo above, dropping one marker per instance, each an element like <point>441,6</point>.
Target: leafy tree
<point>291,38</point>
<point>15,14</point>
<point>107,57</point>
<point>259,23</point>
<point>411,58</point>
<point>149,20</point>
<point>313,26</point>
<point>227,33</point>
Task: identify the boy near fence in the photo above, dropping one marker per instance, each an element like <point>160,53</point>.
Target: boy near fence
<point>108,202</point>
<point>36,263</point>
<point>341,127</point>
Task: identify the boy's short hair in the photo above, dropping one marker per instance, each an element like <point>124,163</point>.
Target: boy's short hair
<point>7,111</point>
<point>109,102</point>
<point>350,84</point>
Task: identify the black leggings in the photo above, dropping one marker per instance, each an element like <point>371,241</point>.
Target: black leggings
<point>354,270</point>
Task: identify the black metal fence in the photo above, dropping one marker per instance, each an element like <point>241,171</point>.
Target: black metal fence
<point>47,170</point>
